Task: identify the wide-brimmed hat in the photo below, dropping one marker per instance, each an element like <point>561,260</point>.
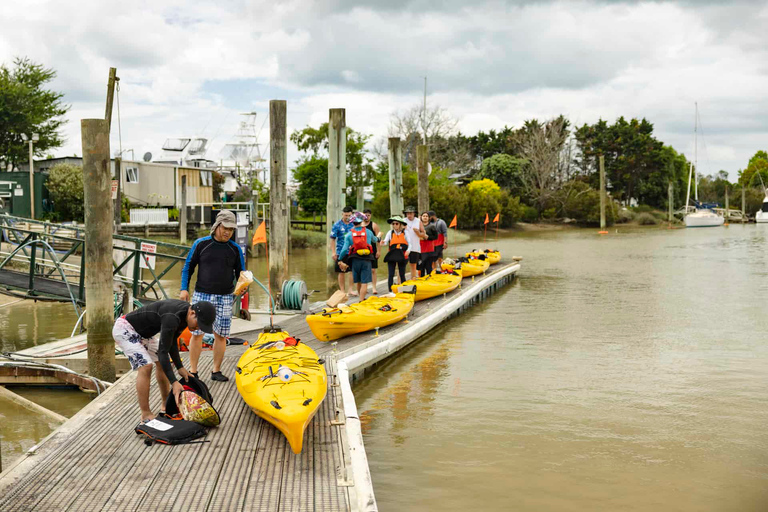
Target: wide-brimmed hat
<point>410,209</point>
<point>396,218</point>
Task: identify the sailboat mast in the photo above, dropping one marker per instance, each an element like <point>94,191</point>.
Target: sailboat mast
<point>688,194</point>
<point>696,152</point>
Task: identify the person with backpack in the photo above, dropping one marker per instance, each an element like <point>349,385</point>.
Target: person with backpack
<point>135,334</point>
<point>358,247</point>
<point>338,232</point>
<point>399,250</point>
<point>442,237</point>
<point>373,228</point>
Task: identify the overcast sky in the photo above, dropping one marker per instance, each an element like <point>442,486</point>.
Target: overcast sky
<point>188,68</point>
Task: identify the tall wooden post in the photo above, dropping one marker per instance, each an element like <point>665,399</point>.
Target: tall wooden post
<point>395,176</point>
<point>602,192</point>
<point>255,222</point>
<point>279,214</point>
<point>183,211</point>
<point>31,180</point>
<point>422,156</point>
<point>360,200</point>
<point>670,202</point>
<point>110,97</point>
<point>97,180</point>
<point>337,175</point>
<point>727,214</point>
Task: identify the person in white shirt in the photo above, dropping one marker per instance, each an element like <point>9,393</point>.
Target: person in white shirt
<point>414,232</point>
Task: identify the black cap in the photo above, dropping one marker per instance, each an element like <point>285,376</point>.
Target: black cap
<point>431,213</point>
<point>206,314</point>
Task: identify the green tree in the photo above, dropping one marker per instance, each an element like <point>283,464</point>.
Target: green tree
<point>312,173</point>
<point>65,187</point>
<point>505,170</point>
<point>27,107</point>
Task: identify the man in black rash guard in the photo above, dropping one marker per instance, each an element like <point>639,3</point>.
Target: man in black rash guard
<point>219,261</point>
<point>135,334</point>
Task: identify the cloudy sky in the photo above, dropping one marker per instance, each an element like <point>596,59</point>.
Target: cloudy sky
<point>188,68</point>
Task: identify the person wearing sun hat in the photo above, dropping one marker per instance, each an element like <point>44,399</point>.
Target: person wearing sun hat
<point>219,261</point>
<point>399,250</point>
<point>358,245</point>
<point>135,334</point>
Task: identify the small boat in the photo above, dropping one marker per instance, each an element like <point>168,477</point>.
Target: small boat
<point>434,284</point>
<point>283,381</point>
<point>701,215</point>
<point>761,217</point>
<point>374,312</point>
<point>471,267</point>
<point>492,256</point>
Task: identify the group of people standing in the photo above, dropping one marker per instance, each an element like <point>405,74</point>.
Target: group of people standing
<point>415,241</point>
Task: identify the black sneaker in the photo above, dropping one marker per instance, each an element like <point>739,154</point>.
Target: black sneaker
<point>195,375</point>
<point>219,377</point>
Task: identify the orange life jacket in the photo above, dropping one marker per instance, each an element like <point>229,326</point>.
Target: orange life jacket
<point>398,241</point>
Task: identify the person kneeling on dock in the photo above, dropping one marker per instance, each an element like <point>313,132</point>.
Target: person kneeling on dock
<point>358,244</point>
<point>135,334</point>
<point>399,250</point>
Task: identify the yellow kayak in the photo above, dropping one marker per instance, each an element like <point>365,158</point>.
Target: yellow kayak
<point>373,312</point>
<point>472,267</point>
<point>492,256</point>
<point>282,383</point>
<point>434,284</point>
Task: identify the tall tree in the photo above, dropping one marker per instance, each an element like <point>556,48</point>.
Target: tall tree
<point>27,107</point>
<point>413,124</point>
<point>541,145</point>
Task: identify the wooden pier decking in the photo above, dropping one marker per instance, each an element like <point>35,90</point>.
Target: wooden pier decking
<point>96,462</point>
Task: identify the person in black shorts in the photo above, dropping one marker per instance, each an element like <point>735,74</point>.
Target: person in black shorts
<point>442,237</point>
<point>374,229</point>
<point>338,232</point>
<point>135,334</point>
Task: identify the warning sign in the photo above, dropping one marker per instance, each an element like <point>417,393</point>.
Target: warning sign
<point>148,261</point>
<point>114,189</point>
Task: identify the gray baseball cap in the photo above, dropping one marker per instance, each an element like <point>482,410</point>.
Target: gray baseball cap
<point>227,219</point>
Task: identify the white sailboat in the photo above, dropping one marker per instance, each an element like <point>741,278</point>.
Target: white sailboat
<point>697,216</point>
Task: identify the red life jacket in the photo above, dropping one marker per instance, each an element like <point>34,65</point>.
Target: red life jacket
<point>360,241</point>
<point>398,241</point>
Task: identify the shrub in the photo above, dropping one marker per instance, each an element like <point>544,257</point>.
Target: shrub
<point>643,208</point>
<point>646,219</point>
<point>65,187</point>
<point>173,214</point>
<point>530,214</point>
<point>625,216</point>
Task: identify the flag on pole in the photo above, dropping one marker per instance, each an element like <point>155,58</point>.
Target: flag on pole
<point>496,218</point>
<point>486,219</point>
<point>453,223</point>
<point>260,236</point>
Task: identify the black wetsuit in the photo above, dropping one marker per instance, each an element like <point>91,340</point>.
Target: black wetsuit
<point>169,318</point>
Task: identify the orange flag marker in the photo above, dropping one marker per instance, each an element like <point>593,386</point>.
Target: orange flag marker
<point>453,223</point>
<point>260,236</point>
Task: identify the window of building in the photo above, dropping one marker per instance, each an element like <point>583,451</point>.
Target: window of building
<point>206,179</point>
<point>132,175</point>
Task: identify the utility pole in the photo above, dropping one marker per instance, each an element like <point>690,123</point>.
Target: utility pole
<point>183,211</point>
<point>743,208</point>
<point>98,248</point>
<point>279,211</point>
<point>395,176</point>
<point>424,113</point>
<point>422,156</point>
<point>111,84</point>
<point>32,139</point>
<point>602,193</point>
<point>727,214</point>
<point>337,176</point>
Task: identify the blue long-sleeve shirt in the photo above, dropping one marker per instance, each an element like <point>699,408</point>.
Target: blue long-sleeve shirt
<point>220,264</point>
<point>370,237</point>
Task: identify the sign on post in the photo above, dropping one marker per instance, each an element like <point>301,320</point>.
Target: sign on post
<point>148,261</point>
<point>114,189</point>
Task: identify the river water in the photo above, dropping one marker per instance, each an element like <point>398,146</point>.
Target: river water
<point>623,372</point>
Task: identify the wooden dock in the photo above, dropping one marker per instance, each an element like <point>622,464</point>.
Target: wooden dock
<point>96,462</point>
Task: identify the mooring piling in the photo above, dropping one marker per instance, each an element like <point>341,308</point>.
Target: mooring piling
<point>337,175</point>
<point>395,176</point>
<point>422,157</point>
<point>279,212</point>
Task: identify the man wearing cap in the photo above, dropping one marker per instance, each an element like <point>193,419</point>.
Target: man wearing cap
<point>414,232</point>
<point>219,261</point>
<point>338,232</point>
<point>442,237</point>
<point>135,334</point>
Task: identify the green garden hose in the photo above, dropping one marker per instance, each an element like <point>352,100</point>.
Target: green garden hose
<point>293,294</point>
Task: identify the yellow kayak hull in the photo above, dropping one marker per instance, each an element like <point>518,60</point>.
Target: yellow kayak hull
<point>289,406</point>
<point>493,257</point>
<point>433,284</point>
<point>471,267</point>
<point>334,323</point>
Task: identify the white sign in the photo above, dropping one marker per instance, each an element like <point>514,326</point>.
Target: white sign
<point>18,191</point>
<point>114,189</point>
<point>146,260</point>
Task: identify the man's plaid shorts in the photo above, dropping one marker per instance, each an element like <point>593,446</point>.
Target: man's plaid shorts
<point>223,305</point>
